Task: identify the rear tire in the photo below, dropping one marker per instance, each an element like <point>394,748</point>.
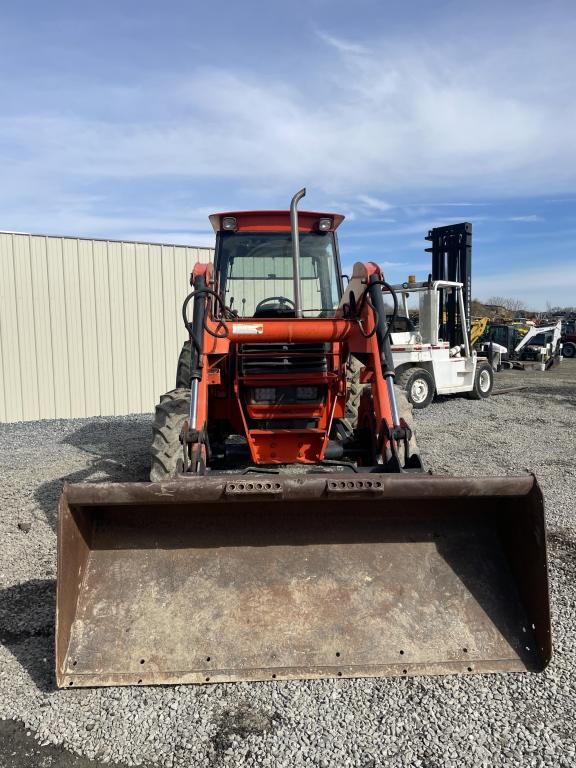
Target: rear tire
<point>569,349</point>
<point>183,369</point>
<point>418,386</point>
<point>166,453</point>
<point>483,382</point>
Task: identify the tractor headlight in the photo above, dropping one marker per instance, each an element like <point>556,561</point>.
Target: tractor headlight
<point>264,394</point>
<point>325,225</point>
<point>307,393</point>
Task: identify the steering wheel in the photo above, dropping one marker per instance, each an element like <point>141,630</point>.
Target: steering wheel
<point>281,300</point>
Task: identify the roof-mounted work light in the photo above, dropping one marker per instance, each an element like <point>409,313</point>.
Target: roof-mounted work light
<point>229,223</point>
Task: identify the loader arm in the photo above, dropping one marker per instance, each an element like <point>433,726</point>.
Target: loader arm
<point>282,385</point>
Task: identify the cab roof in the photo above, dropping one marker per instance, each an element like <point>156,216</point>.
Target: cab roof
<point>275,221</point>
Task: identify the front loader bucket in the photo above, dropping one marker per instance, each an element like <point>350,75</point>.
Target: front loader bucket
<point>261,577</point>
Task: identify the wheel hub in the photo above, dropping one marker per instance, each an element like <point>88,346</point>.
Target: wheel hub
<point>484,381</point>
<point>419,391</point>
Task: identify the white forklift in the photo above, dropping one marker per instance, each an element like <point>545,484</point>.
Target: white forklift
<point>427,364</point>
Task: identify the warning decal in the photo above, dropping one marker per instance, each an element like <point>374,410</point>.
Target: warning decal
<point>247,329</point>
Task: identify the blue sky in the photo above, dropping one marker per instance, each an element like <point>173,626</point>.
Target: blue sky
<point>137,119</point>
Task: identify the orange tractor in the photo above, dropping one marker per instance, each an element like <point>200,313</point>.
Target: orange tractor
<point>290,530</point>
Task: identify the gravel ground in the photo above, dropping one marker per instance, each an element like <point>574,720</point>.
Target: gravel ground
<point>496,720</point>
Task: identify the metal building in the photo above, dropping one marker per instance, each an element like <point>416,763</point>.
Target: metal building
<point>89,327</point>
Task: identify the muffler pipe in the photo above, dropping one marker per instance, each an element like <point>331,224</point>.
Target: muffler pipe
<point>296,250</point>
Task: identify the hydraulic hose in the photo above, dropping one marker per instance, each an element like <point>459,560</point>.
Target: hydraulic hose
<point>366,300</point>
<point>383,330</point>
<point>225,311</point>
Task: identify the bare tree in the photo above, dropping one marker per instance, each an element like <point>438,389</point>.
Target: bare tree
<point>477,308</point>
<point>511,304</point>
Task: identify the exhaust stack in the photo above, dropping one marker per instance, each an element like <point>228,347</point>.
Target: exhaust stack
<point>296,250</point>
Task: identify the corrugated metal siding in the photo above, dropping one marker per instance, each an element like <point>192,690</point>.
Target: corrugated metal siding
<point>89,327</point>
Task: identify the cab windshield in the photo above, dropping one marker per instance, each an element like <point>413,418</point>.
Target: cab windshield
<point>256,273</point>
<point>541,339</point>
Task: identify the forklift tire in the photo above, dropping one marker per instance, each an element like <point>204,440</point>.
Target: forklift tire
<point>483,382</point>
<point>418,385</point>
<point>569,349</point>
<point>166,454</point>
<point>183,369</point>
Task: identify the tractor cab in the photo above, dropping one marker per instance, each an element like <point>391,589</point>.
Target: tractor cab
<point>254,264</point>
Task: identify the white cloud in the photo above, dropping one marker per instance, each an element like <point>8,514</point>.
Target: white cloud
<point>344,46</point>
<point>389,119</point>
<point>397,119</point>
<point>374,203</point>
<point>529,218</point>
<point>457,205</point>
<point>394,264</point>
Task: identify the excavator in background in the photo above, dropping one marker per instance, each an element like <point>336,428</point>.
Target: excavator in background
<point>478,328</point>
<point>509,346</point>
<point>290,529</point>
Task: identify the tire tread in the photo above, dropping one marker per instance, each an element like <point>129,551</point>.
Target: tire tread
<point>166,459</point>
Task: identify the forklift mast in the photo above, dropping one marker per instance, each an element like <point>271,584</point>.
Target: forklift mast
<point>451,251</point>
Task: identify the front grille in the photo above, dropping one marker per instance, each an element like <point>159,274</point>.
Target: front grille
<point>286,395</point>
<point>283,358</point>
<point>273,424</point>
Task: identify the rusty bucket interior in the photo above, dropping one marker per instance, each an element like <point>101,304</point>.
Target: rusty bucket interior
<point>300,576</point>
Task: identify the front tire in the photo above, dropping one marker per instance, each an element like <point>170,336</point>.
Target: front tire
<point>418,385</point>
<point>483,382</point>
<point>405,412</point>
<point>366,434</point>
<point>166,453</point>
<point>354,391</point>
<point>569,349</point>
